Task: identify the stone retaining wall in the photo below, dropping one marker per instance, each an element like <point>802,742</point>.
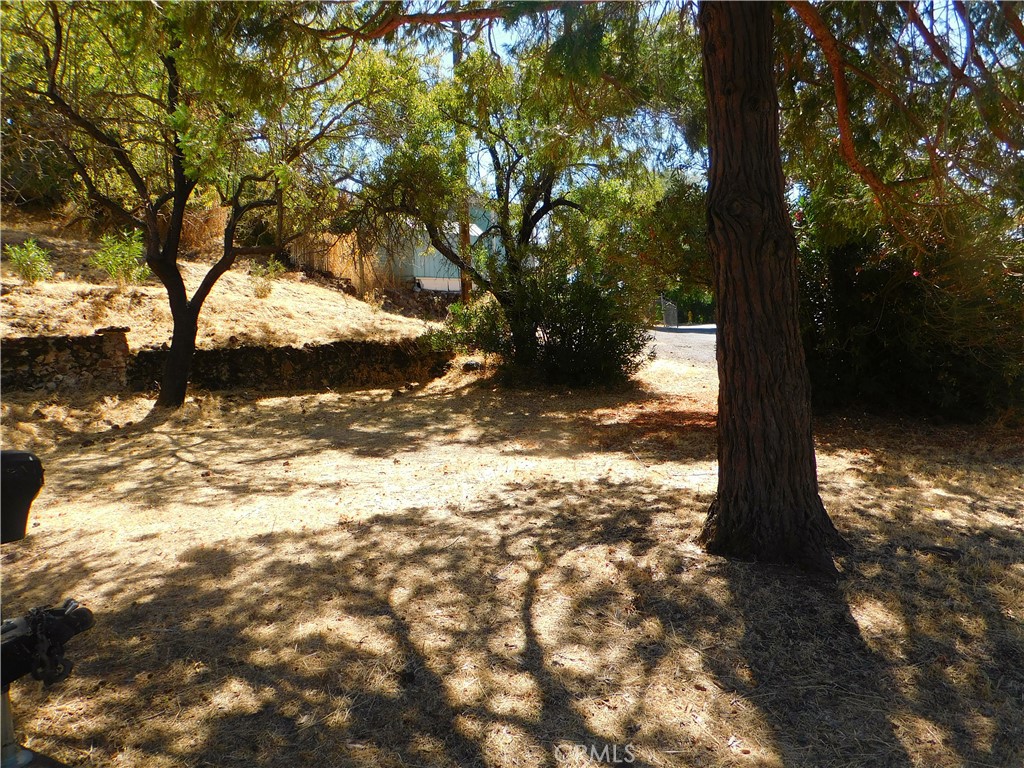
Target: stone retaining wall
<point>63,363</point>
<point>103,362</point>
<point>292,369</point>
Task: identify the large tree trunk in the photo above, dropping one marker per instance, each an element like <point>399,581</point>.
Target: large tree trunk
<point>767,507</point>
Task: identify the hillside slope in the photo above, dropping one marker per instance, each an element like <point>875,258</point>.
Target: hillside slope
<point>78,299</point>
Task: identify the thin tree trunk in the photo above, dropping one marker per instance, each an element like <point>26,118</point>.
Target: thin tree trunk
<point>767,507</point>
<point>465,279</point>
<point>162,259</point>
<point>178,366</point>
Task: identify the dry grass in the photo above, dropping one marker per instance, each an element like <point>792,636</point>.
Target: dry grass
<point>78,301</point>
<point>462,575</point>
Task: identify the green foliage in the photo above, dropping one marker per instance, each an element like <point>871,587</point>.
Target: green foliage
<point>695,305</point>
<point>567,321</point>
<point>578,50</point>
<point>592,328</point>
<point>934,333</point>
<point>262,276</point>
<point>913,300</point>
<point>34,171</point>
<point>477,326</point>
<point>678,234</point>
<point>905,104</point>
<point>30,261</point>
<point>120,256</point>
<point>653,229</point>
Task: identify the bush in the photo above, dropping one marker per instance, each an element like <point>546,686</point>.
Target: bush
<point>591,330</point>
<point>120,256</point>
<point>572,324</point>
<point>30,261</point>
<point>933,333</point>
<point>262,277</point>
<point>478,326</point>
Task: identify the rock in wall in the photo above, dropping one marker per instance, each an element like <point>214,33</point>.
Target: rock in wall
<point>291,369</point>
<point>63,363</point>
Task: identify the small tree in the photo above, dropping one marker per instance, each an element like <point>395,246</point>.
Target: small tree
<point>147,102</point>
<point>537,150</point>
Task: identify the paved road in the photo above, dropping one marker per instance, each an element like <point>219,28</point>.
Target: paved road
<point>694,344</point>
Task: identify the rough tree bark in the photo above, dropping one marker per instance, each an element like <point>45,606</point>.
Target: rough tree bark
<point>162,257</point>
<point>767,507</point>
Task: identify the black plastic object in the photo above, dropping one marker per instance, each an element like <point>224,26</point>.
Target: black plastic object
<point>34,643</point>
<point>21,477</point>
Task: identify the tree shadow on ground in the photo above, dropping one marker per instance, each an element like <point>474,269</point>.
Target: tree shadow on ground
<point>231,447</point>
<point>936,581</point>
<point>420,638</point>
<point>527,628</point>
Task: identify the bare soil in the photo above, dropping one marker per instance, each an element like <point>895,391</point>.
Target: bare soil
<point>461,574</point>
<point>80,299</point>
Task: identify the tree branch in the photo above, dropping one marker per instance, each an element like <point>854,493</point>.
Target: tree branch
<point>934,158</point>
<point>95,195</point>
<point>230,252</point>
<point>1013,20</point>
<point>445,249</point>
<point>386,21</point>
<point>538,192</point>
<point>92,129</point>
<point>182,186</point>
<point>959,75</point>
<point>812,19</point>
<point>1012,108</point>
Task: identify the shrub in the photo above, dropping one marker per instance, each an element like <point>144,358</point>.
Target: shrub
<point>591,329</point>
<point>262,277</point>
<point>477,326</point>
<point>933,333</point>
<point>120,256</point>
<point>564,322</point>
<point>30,261</point>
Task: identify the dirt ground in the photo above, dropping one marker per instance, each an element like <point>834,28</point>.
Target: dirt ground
<point>80,299</point>
<point>461,574</point>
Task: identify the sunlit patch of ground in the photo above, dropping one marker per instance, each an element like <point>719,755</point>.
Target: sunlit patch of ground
<point>80,299</point>
<point>469,575</point>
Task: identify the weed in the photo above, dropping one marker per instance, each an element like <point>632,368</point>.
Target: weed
<point>30,261</point>
<point>262,277</point>
<point>120,256</point>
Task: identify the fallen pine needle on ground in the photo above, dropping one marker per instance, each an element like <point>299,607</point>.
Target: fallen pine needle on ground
<point>468,575</point>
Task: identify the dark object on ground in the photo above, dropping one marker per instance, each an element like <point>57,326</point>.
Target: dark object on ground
<point>22,477</point>
<point>34,643</point>
<point>472,365</point>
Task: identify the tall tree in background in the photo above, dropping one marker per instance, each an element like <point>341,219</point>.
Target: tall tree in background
<point>536,150</point>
